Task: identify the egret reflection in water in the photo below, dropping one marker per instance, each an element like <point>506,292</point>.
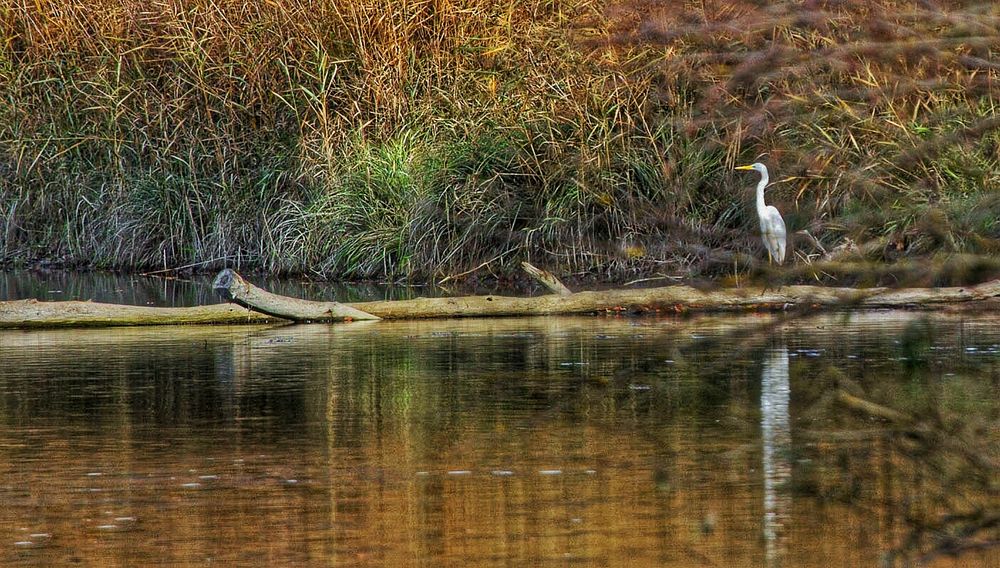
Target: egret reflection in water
<point>776,438</point>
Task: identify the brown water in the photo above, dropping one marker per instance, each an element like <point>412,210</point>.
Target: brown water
<point>513,442</point>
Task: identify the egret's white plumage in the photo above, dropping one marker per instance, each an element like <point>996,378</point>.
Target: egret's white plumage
<point>772,226</point>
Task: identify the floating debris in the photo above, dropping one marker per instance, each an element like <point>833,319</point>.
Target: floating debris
<point>502,472</point>
<point>550,472</point>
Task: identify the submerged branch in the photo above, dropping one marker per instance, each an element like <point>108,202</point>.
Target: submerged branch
<point>871,408</point>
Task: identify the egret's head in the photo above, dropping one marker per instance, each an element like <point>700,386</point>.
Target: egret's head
<point>755,166</point>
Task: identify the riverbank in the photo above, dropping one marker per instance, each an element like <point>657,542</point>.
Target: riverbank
<point>425,143</point>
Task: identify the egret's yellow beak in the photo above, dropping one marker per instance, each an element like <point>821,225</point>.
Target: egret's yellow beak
<point>744,167</point>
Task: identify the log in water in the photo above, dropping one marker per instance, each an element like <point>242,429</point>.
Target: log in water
<point>261,306</point>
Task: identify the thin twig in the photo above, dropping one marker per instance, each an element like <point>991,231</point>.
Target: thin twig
<point>192,265</point>
<point>815,242</point>
<point>637,281</point>
<point>471,270</point>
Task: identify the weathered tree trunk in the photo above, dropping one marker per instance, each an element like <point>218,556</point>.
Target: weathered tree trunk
<point>682,298</point>
<point>669,299</point>
<point>233,288</point>
<point>32,313</point>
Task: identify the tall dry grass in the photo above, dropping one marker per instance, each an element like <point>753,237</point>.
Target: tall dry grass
<point>430,138</point>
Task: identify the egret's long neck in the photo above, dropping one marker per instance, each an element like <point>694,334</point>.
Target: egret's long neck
<point>760,192</point>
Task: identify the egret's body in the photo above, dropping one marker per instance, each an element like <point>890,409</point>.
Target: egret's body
<point>772,226</point>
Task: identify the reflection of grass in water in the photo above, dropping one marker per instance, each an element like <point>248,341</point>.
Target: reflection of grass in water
<point>916,341</point>
<point>416,393</point>
<point>404,140</point>
<point>935,443</point>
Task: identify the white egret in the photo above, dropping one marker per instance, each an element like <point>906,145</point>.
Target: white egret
<point>772,226</point>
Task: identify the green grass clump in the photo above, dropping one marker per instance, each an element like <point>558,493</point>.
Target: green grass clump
<point>426,140</point>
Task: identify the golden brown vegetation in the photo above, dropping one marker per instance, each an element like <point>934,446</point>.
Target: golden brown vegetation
<point>426,138</point>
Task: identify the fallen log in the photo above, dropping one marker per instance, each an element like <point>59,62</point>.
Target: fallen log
<point>233,288</point>
<point>36,314</point>
<point>683,299</point>
<point>672,299</point>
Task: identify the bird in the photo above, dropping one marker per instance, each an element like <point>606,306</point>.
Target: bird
<point>772,226</point>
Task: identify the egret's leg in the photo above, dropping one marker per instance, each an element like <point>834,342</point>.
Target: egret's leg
<point>769,246</point>
<point>770,261</point>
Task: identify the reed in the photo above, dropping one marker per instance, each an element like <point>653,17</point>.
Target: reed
<point>426,139</point>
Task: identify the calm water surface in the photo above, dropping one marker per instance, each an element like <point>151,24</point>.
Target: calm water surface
<point>712,441</point>
<point>193,290</point>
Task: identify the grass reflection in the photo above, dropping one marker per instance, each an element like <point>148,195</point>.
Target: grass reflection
<point>508,441</point>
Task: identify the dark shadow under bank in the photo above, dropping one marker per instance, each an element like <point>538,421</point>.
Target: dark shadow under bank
<point>189,289</point>
<point>52,281</point>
